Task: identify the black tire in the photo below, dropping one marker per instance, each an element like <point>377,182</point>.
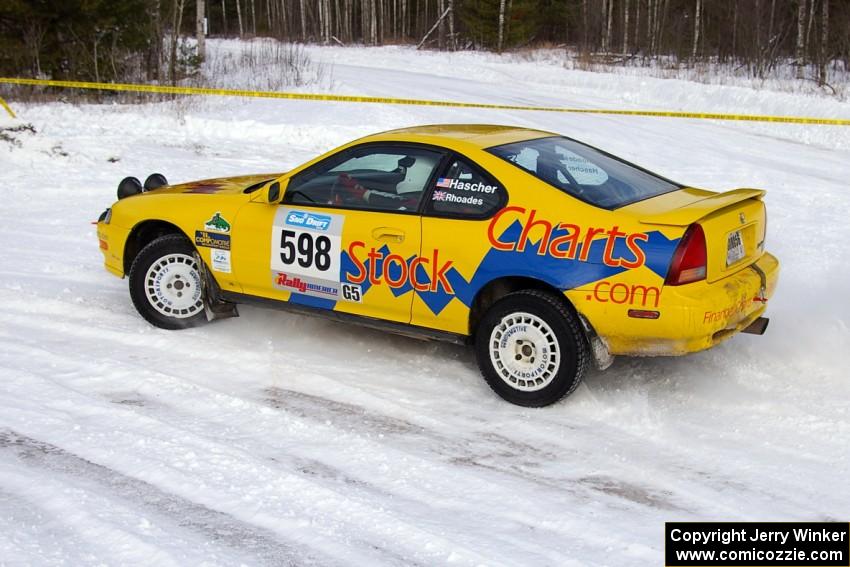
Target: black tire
<point>173,256</point>
<point>513,352</point>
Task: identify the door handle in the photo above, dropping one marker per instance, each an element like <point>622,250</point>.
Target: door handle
<point>388,234</point>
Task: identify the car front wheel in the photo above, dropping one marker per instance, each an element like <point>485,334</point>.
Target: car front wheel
<point>165,284</point>
<point>531,349</point>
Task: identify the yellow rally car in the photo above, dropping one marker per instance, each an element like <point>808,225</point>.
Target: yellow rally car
<point>542,252</point>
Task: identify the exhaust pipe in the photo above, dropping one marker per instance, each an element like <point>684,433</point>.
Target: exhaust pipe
<point>757,327</point>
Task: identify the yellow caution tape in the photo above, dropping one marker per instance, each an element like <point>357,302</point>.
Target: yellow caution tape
<point>419,102</point>
<point>6,106</point>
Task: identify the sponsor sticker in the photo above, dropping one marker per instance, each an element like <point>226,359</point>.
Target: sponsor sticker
<point>308,220</point>
<point>212,240</point>
<point>306,286</point>
<point>221,261</point>
<point>621,249</point>
<point>217,224</point>
<point>740,306</point>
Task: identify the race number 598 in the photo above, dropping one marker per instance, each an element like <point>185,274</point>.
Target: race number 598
<point>307,249</point>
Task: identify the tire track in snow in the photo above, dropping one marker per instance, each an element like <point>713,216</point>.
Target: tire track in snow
<point>220,528</point>
<point>376,549</point>
<point>494,454</point>
<point>490,451</point>
<point>523,519</point>
<point>21,536</point>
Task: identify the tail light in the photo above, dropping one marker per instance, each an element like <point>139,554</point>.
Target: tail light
<point>689,259</point>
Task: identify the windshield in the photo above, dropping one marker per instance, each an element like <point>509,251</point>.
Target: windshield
<point>584,172</point>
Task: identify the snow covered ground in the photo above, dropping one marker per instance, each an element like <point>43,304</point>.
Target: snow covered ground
<point>277,439</point>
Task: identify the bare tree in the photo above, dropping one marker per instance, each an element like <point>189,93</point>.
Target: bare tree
<point>604,26</point>
<point>801,31</point>
<point>224,17</point>
<point>176,21</point>
<point>584,27</point>
<point>501,25</point>
<point>33,38</point>
<point>239,18</point>
<point>373,22</point>
<point>809,24</point>
<point>824,42</point>
<point>697,12</point>
<point>441,26</point>
<point>626,27</point>
<point>452,38</point>
<point>200,16</point>
<point>652,17</point>
<point>253,17</point>
<point>637,23</point>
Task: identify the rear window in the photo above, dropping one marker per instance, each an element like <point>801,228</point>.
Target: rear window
<point>584,172</point>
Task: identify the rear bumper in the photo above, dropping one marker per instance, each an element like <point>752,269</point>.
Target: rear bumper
<point>698,316</point>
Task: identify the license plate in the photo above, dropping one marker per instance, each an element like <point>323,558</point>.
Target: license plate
<point>734,248</point>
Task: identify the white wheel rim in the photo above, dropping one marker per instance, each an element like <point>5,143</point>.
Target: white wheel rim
<point>524,352</point>
<point>173,286</point>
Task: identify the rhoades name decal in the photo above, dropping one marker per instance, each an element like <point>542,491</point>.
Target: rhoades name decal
<point>575,245</point>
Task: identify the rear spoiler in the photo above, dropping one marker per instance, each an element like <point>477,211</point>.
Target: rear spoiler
<point>692,212</point>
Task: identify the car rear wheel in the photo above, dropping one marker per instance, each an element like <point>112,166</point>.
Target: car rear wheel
<point>531,349</point>
<point>165,284</point>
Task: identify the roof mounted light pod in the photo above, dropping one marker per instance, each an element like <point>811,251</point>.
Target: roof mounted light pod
<point>155,181</point>
<point>129,186</point>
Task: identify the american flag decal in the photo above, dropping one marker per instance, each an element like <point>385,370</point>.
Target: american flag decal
<point>444,182</point>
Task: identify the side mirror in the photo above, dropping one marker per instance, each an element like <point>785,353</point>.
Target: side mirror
<point>271,193</point>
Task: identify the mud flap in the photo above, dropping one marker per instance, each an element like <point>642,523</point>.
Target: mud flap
<point>214,306</point>
<point>602,357</point>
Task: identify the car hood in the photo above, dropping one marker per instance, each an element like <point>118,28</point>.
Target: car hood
<point>217,186</point>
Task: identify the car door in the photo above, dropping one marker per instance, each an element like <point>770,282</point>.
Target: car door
<point>459,207</point>
<point>345,236</point>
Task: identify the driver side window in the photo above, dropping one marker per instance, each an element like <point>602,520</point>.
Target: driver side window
<point>386,178</point>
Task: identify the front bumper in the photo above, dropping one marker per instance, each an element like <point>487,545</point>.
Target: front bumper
<point>696,316</point>
<point>111,240</point>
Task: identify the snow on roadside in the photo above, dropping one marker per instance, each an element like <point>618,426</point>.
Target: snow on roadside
<point>273,438</point>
